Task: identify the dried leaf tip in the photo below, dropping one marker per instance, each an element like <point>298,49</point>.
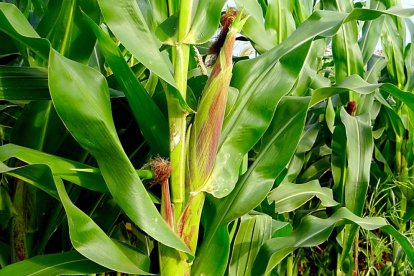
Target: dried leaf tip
<point>225,21</point>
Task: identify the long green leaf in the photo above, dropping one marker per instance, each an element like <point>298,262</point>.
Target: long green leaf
<point>371,32</point>
<point>359,155</point>
<point>81,97</point>
<point>86,236</point>
<point>359,150</point>
<point>254,28</point>
<point>128,24</point>
<point>392,40</point>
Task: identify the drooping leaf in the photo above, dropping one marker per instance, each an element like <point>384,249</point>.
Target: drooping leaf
<point>89,240</point>
<point>89,120</point>
<point>289,196</point>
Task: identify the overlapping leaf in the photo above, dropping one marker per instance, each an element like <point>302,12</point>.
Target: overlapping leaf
<point>81,97</point>
<point>260,91</point>
<point>313,231</point>
<point>289,196</point>
<point>151,121</point>
<point>128,24</point>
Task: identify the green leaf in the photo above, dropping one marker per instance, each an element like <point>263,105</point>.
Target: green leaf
<point>15,24</point>
<point>302,10</point>
<point>254,28</point>
<point>279,22</point>
<point>63,26</point>
<point>81,98</point>
<point>39,127</point>
<point>128,24</point>
<point>23,83</point>
<point>7,211</point>
<point>357,84</point>
<point>253,232</point>
<point>150,119</point>
<point>219,244</point>
<point>393,44</point>
<point>67,263</point>
<point>204,21</point>
<point>289,196</point>
<point>77,173</point>
<point>260,91</point>
<point>345,49</point>
<point>313,231</point>
<point>359,151</point>
<point>251,115</point>
<point>371,32</point>
<point>89,240</point>
<point>38,175</point>
<point>280,140</point>
<point>338,162</point>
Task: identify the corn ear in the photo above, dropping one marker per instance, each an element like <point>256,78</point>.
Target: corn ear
<point>205,132</point>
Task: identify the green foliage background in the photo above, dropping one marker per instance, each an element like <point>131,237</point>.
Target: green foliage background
<point>295,160</point>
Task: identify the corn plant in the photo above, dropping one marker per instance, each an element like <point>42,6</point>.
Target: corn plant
<point>134,141</point>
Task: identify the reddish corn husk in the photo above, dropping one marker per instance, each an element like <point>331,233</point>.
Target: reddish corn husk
<point>205,132</point>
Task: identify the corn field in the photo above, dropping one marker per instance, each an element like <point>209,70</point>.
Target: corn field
<point>195,137</point>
